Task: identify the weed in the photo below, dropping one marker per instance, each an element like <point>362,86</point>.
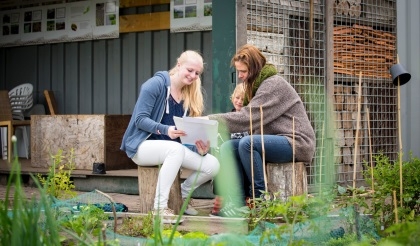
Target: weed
<point>58,183</point>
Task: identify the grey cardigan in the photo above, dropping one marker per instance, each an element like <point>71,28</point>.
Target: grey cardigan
<point>147,113</point>
<point>280,103</point>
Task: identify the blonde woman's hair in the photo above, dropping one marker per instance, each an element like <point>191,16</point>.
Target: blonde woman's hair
<point>191,94</point>
<point>239,90</point>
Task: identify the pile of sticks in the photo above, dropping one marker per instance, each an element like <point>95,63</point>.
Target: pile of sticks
<point>361,48</point>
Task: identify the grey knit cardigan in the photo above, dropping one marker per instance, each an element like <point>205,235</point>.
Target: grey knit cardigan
<point>280,103</point>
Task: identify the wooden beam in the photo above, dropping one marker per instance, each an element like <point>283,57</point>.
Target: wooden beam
<point>145,22</point>
<point>138,3</point>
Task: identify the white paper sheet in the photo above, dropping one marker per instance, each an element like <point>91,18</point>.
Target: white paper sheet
<point>197,129</point>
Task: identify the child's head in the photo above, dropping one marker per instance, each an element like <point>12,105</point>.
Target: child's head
<point>237,96</point>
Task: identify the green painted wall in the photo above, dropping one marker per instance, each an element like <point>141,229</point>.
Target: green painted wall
<point>224,40</point>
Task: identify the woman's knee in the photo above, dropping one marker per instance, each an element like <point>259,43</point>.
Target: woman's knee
<point>212,165</point>
<point>245,143</point>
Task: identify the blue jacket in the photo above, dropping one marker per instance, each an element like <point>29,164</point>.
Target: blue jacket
<point>147,113</point>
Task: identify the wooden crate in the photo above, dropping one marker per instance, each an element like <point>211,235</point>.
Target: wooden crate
<point>94,138</point>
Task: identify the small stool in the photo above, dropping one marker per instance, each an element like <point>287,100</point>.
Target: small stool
<point>147,178</point>
<point>280,179</point>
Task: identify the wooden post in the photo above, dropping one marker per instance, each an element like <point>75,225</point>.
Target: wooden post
<point>252,156</point>
<point>370,148</point>
<point>356,146</point>
<point>394,196</point>
<point>293,158</point>
<point>263,150</point>
<point>399,136</point>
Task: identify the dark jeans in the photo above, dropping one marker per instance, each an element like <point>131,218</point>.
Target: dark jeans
<point>235,175</point>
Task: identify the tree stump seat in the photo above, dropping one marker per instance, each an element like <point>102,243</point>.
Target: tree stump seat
<point>280,179</point>
<point>147,178</point>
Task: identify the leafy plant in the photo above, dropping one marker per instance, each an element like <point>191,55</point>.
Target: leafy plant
<point>58,183</point>
<point>87,222</point>
<point>386,180</point>
<point>268,208</point>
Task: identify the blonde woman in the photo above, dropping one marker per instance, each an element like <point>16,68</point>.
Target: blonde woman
<point>152,138</point>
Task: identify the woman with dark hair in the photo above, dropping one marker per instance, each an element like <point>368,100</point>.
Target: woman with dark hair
<point>285,123</point>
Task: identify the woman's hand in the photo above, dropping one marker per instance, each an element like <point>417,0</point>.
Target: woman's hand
<point>202,148</point>
<point>173,133</point>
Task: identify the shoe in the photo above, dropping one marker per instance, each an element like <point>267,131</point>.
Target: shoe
<point>190,210</point>
<point>167,215</point>
<point>217,205</point>
<point>249,203</point>
<point>231,211</point>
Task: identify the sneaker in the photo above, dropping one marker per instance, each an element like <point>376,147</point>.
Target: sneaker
<point>231,211</point>
<point>217,205</point>
<point>249,202</point>
<point>167,215</point>
<point>190,210</point>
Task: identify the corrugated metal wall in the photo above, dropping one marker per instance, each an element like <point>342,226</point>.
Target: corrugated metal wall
<point>101,76</point>
<point>104,76</point>
<point>408,32</point>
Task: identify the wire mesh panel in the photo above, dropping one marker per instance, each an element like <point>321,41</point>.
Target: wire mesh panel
<point>364,96</point>
<point>291,35</point>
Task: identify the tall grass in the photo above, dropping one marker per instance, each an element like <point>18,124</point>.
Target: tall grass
<point>26,221</point>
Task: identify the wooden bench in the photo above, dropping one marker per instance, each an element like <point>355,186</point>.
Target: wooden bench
<point>280,179</point>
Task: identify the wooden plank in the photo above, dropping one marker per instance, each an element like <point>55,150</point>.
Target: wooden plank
<point>139,3</point>
<point>52,104</point>
<point>115,126</point>
<point>145,22</point>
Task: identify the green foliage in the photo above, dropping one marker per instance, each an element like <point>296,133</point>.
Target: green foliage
<point>319,205</point>
<point>58,183</point>
<point>87,222</point>
<point>406,233</point>
<point>386,177</point>
<point>295,208</point>
<point>268,208</point>
<point>137,226</point>
<point>349,197</point>
<point>26,221</point>
<point>196,235</point>
<point>350,240</point>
